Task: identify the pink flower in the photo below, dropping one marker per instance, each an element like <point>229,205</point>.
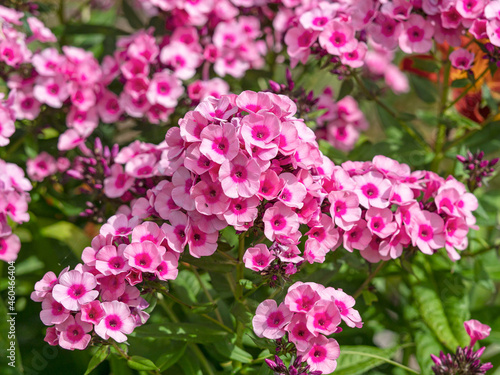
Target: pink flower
<point>148,231</point>
<point>116,323</point>
<point>209,197</point>
<point>476,330</point>
<point>322,354</point>
<point>51,91</point>
<point>417,35</point>
<point>293,192</point>
<point>462,59</point>
<point>299,42</point>
<point>358,237</point>
<point>298,332</point>
<point>176,231</point>
<point>43,165</point>
<point>240,177</point>
<point>92,312</point>
<point>380,221</point>
<point>201,243</point>
<point>111,261</point>
<point>164,89</point>
<point>74,333</point>
<point>219,143</point>
<point>337,38</point>
<point>75,288</point>
<point>118,183</point>
<point>324,235</point>
<point>44,286</point>
<point>270,320</point>
<point>167,270</point>
<point>470,9</point>
<point>242,211</point>
<point>109,108</point>
<point>301,298</point>
<point>144,256</point>
<point>52,311</point>
<point>9,248</point>
<point>324,317</point>
<point>373,190</point>
<point>270,185</point>
<point>279,219</point>
<point>344,208</point>
<point>427,231</point>
<point>181,59</point>
<point>344,303</point>
<point>257,258</point>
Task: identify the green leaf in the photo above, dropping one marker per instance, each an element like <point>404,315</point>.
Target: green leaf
<point>140,363</point>
<point>190,366</point>
<point>131,16</point>
<point>369,297</point>
<point>68,233</point>
<point>238,354</point>
<point>425,65</point>
<point>99,356</point>
<point>424,89</point>
<point>345,88</point>
<point>215,262</point>
<point>426,344</point>
<point>459,83</point>
<point>431,310</point>
<point>172,357</point>
<point>359,359</point>
<point>190,332</point>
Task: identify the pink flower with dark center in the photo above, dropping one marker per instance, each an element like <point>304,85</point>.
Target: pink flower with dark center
<point>380,221</point>
<point>301,298</point>
<point>279,219</point>
<point>176,231</point>
<point>183,181</point>
<point>358,237</point>
<point>270,319</point>
<point>322,354</point>
<point>118,183</point>
<point>112,286</point>
<point>373,190</point>
<point>470,9</point>
<point>148,231</point>
<point>144,256</point>
<point>257,258</point>
<point>298,333</point>
<point>427,231</point>
<point>201,243</point>
<point>74,333</point>
<point>344,208</point>
<point>167,270</point>
<point>116,323</point>
<point>92,312</point>
<point>325,234</point>
<point>109,108</point>
<point>324,317</point>
<point>260,129</point>
<point>393,246</point>
<point>270,185</point>
<point>164,89</point>
<point>209,198</point>
<point>44,286</point>
<point>52,311</point>
<point>417,35</point>
<point>242,211</point>
<point>337,38</point>
<point>111,261</point>
<point>344,303</point>
<point>51,91</point>
<point>240,177</point>
<point>219,143</point>
<point>462,59</point>
<point>293,192</point>
<point>197,162</point>
<point>75,289</point>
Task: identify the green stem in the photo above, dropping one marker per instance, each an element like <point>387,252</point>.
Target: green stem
<point>393,114</point>
<point>369,279</point>
<point>207,294</point>
<point>463,93</point>
<point>382,359</point>
<point>240,268</point>
<point>119,350</point>
<point>196,350</point>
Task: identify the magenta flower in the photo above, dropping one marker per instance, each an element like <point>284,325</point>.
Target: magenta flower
<point>373,190</point>
<point>337,38</point>
<point>476,330</point>
<point>9,248</point>
<point>240,177</point>
<point>270,185</point>
<point>257,258</point>
<point>144,256</point>
<point>209,197</point>
<point>111,261</point>
<point>270,319</point>
<point>417,35</point>
<point>322,355</point>
<point>201,243</point>
<point>176,231</point>
<point>462,59</point>
<point>427,231</point>
<point>380,221</point>
<point>52,311</point>
<point>324,317</point>
<point>359,237</point>
<point>344,208</point>
<point>293,192</point>
<point>279,219</point>
<point>242,211</point>
<point>75,288</point>
<point>167,269</point>
<point>92,312</point>
<point>344,303</point>
<point>298,333</point>
<point>74,333</point>
<point>301,298</point>
<point>118,183</point>
<point>164,89</point>
<point>116,323</point>
<point>219,143</point>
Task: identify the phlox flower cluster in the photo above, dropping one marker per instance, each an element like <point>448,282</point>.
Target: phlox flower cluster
<point>309,313</point>
<point>14,198</point>
<point>101,298</point>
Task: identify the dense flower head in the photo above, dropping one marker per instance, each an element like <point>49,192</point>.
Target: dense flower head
<point>309,313</point>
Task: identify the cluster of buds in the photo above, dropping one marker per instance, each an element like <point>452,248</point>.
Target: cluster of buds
<point>305,101</point>
<point>296,367</point>
<point>477,168</point>
<point>465,361</point>
<point>492,53</point>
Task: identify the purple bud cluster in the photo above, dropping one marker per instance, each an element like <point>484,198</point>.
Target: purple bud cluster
<point>477,168</point>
